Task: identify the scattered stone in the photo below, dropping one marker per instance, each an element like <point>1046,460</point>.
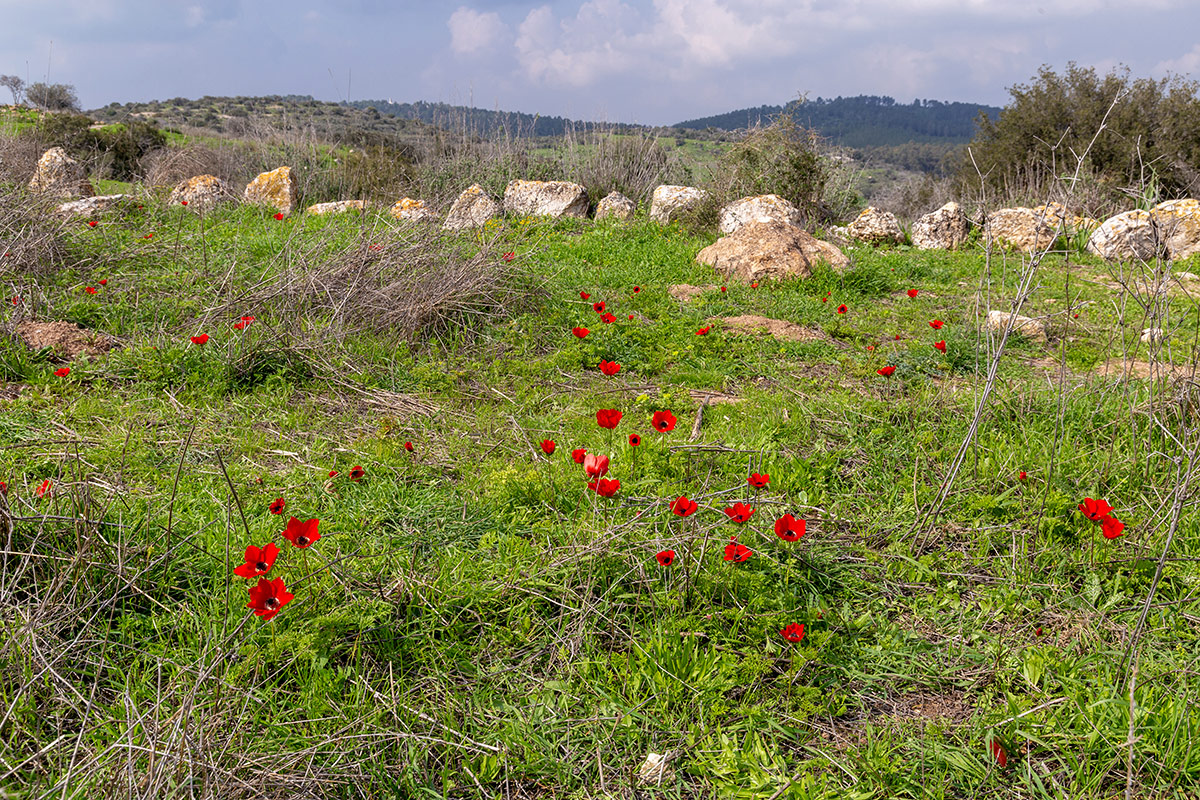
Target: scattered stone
<point>668,202</point>
<point>1131,235</point>
<point>1028,327</point>
<point>65,339</point>
<point>779,329</point>
<point>202,193</point>
<point>1153,335</point>
<point>760,250</point>
<point>1071,222</point>
<point>876,227</point>
<point>944,229</point>
<point>546,199</point>
<point>59,175</point>
<point>472,209</point>
<point>1024,229</point>
<point>763,208</point>
<point>1178,227</point>
<point>686,293</point>
<point>1187,276</point>
<point>616,205</point>
<point>336,207</point>
<point>94,205</point>
<point>655,770</point>
<point>276,189</point>
<point>412,210</point>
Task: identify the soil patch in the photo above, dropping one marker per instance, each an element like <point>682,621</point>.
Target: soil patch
<point>779,329</point>
<point>714,398</point>
<point>1142,370</point>
<point>11,391</point>
<point>65,339</point>
<point>686,293</point>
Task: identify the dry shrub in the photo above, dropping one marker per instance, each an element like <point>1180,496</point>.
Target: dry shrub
<point>235,163</point>
<point>632,164</point>
<point>18,158</point>
<point>30,239</point>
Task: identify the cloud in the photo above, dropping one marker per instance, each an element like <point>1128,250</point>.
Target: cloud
<point>473,31</point>
<point>1187,63</point>
<point>604,38</point>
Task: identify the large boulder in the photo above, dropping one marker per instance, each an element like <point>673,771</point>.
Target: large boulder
<point>546,199</point>
<point>1025,229</point>
<point>616,205</point>
<point>1028,327</point>
<point>1130,235</point>
<point>94,205</point>
<point>275,189</point>
<point>411,210</point>
<point>336,207</point>
<point>760,250</point>
<point>472,209</point>
<point>1179,226</point>
<point>876,227</point>
<point>763,208</point>
<point>201,193</point>
<point>944,229</point>
<point>1071,223</point>
<point>668,202</point>
<point>59,175</point>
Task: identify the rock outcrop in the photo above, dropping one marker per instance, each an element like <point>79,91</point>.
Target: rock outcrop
<point>336,207</point>
<point>546,199</point>
<point>59,175</point>
<point>1178,226</point>
<point>472,209</point>
<point>95,204</point>
<point>669,202</point>
<point>1028,327</point>
<point>1024,229</point>
<point>201,193</point>
<point>944,229</point>
<point>761,250</point>
<point>876,227</point>
<point>616,205</point>
<point>763,208</point>
<point>412,210</point>
<point>1130,235</point>
<point>275,189</point>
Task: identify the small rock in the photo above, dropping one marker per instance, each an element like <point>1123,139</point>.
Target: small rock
<point>93,205</point>
<point>202,193</point>
<point>1153,335</point>
<point>336,207</point>
<point>668,202</point>
<point>1187,276</point>
<point>876,227</point>
<point>1031,328</point>
<point>760,250</point>
<point>276,189</point>
<point>944,229</point>
<point>59,175</point>
<point>1131,235</point>
<point>655,770</point>
<point>472,209</point>
<point>546,199</point>
<point>412,210</point>
<point>763,208</point>
<point>616,205</point>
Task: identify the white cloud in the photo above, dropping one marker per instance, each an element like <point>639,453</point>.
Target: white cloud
<point>1186,64</point>
<point>605,37</point>
<point>473,31</point>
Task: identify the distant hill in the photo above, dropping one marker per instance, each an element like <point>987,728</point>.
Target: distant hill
<point>481,121</point>
<point>864,121</point>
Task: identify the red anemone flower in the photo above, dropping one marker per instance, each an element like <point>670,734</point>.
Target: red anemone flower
<point>201,339</point>
<point>758,481</point>
<point>739,512</point>
<point>789,528</point>
<point>940,345</point>
<point>1021,476</point>
<point>279,216</point>
<point>637,289</point>
<point>634,440</point>
<point>1111,527</point>
<point>665,558</point>
<point>631,316</point>
<point>408,446</point>
<point>92,224</point>
<point>609,367</point>
<point>663,421</point>
<point>842,309</point>
<point>912,292</point>
<point>356,473</point>
<point>548,446</point>
<point>824,299</point>
<point>103,281</point>
<point>577,455</point>
<point>595,466</point>
<point>704,331</point>
<point>736,552</point>
<point>3,488</point>
<point>608,418</point>
<point>91,290</point>
<point>1038,632</point>
<point>183,202</point>
<point>62,372</point>
<point>148,236</point>
<point>897,337</point>
<point>608,319</point>
<point>333,473</point>
<point>605,487</point>
<point>871,348</point>
<point>258,561</point>
<point>302,534</point>
<point>598,307</point>
<point>509,256</point>
<point>794,632</point>
<point>584,295</point>
<point>936,324</point>
<point>277,505</point>
<point>580,332</point>
<point>1095,510</point>
<point>683,507</point>
<point>269,596</point>
<point>723,289</point>
<point>754,285</point>
<point>999,753</point>
<point>44,489</point>
<point>886,371</point>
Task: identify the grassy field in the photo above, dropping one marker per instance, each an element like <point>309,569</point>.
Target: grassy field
<point>475,622</point>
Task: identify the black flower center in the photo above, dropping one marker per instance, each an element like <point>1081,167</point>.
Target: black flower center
<point>271,602</point>
<point>262,566</point>
<point>302,541</point>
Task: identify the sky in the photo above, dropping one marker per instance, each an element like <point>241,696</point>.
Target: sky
<point>651,62</point>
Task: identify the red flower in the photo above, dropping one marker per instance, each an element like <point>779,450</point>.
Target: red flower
<point>999,753</point>
<point>584,295</point>
<point>871,348</point>
<point>1095,510</point>
<point>578,454</point>
<point>91,290</point>
<point>580,332</point>
<point>595,466</point>
<point>333,473</point>
<point>912,292</point>
<point>637,289</point>
<point>608,418</point>
<point>44,490</point>
<point>665,558</point>
<point>103,281</point>
<point>375,247</point>
<point>548,446</point>
<point>258,561</point>
<point>663,421</point>
<point>735,552</point>
<point>269,596</point>
<point>634,440</point>
<point>1038,632</point>
<point>279,216</point>
<point>356,473</point>
<point>739,512</point>
<point>408,446</point>
<point>16,301</point>
<point>609,367</point>
<point>1111,527</point>
<point>608,319</point>
<point>936,324</point>
<point>897,337</point>
<point>201,339</point>
<point>62,372</point>
<point>509,256</point>
<point>722,288</point>
<point>824,299</point>
<point>92,224</point>
<point>183,202</point>
<point>842,309</point>
<point>598,307</point>
<point>793,632</point>
<point>302,534</point>
<point>605,487</point>
<point>754,285</point>
<point>3,488</point>
<point>631,316</point>
<point>1021,476</point>
<point>239,325</point>
<point>940,345</point>
<point>683,507</point>
<point>277,505</point>
<point>758,481</point>
<point>886,371</point>
<point>148,236</point>
<point>789,528</point>
<point>704,331</point>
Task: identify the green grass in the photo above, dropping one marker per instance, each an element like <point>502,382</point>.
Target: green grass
<point>474,622</point>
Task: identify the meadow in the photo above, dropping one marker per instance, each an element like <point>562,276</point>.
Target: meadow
<point>482,611</point>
